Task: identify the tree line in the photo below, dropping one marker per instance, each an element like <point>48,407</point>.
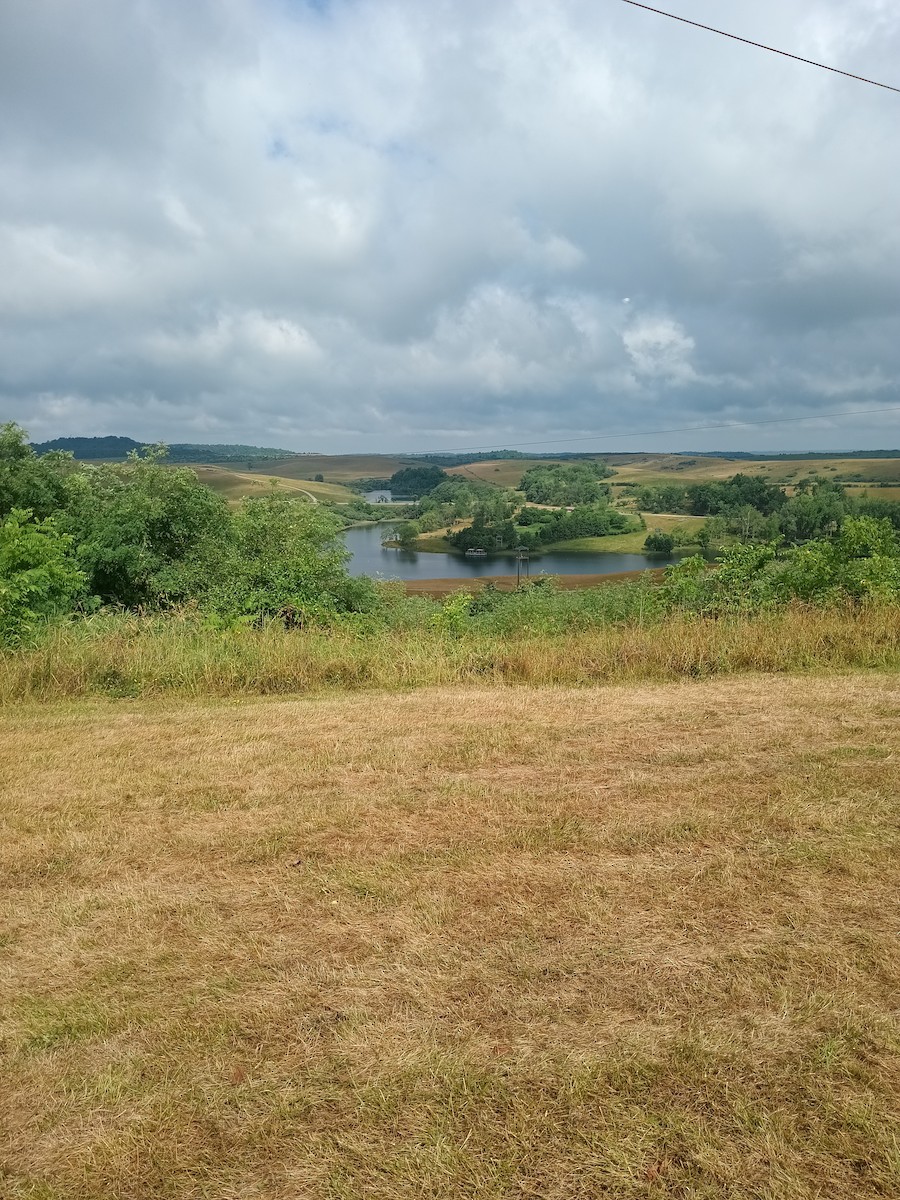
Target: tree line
<point>750,508</point>
<point>143,536</point>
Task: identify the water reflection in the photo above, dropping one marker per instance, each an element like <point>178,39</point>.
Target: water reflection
<point>370,557</point>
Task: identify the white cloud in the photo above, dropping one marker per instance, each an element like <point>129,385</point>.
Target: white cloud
<point>660,348</point>
<point>383,222</point>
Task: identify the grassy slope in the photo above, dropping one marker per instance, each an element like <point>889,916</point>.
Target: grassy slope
<point>504,472</point>
<point>235,485</point>
<point>684,469</point>
<point>171,655</point>
<point>626,942</point>
<point>337,468</point>
<point>680,468</point>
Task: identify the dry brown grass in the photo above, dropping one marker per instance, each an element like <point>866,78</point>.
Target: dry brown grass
<point>682,468</point>
<point>337,468</point>
<point>622,942</point>
<point>503,472</point>
<point>685,468</point>
<point>237,485</point>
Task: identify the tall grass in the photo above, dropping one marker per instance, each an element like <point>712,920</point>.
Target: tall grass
<point>133,656</point>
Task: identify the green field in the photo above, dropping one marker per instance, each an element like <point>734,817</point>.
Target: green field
<point>631,543</point>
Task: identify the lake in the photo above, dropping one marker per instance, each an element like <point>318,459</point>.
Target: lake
<point>369,557</point>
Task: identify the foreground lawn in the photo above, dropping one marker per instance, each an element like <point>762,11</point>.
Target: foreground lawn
<point>630,941</point>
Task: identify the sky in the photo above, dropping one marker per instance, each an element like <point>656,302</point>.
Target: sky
<point>387,225</point>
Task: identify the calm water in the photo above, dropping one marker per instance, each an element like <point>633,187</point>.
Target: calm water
<point>371,558</point>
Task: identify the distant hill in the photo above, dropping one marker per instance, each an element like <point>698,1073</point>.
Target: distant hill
<point>790,456</point>
<point>116,449</point>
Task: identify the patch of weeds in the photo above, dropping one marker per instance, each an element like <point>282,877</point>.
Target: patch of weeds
<point>111,1085</point>
<point>49,1026</point>
<point>878,753</point>
<point>564,832</point>
<point>652,835</point>
<point>272,848</point>
<point>359,885</point>
<point>115,683</point>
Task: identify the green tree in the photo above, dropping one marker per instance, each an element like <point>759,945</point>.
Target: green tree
<point>143,530</point>
<point>406,534</point>
<point>28,480</point>
<point>659,542</point>
<point>284,558</point>
<point>416,481</point>
<point>571,483</point>
<point>38,576</point>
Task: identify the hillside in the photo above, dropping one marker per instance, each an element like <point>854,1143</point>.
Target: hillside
<point>488,942</point>
<point>236,485</point>
<point>340,468</point>
<point>686,468</point>
<point>116,449</point>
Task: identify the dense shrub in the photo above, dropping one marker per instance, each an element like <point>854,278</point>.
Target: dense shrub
<point>38,576</point>
<point>658,542</point>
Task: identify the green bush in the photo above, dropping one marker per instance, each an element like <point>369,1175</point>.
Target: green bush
<point>38,576</point>
<point>658,542</point>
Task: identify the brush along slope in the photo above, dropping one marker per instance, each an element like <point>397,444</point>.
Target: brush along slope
<point>131,656</point>
<point>624,942</point>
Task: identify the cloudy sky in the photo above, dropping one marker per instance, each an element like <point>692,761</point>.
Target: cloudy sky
<point>348,225</point>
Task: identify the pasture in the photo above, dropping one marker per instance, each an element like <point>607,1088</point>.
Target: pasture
<point>685,468</point>
<point>629,469</point>
<point>237,485</point>
<point>336,468</point>
<point>481,942</point>
<point>680,468</point>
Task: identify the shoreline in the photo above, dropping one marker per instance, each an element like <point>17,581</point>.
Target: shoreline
<point>439,588</point>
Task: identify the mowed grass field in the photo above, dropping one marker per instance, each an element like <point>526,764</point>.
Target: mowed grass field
<point>236,485</point>
<point>337,468</point>
<point>472,942</point>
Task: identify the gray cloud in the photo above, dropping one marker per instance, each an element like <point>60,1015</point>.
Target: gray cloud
<point>380,224</point>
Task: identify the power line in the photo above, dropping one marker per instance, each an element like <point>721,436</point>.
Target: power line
<point>604,437</point>
<point>762,46</point>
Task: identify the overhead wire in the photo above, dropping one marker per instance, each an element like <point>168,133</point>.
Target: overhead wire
<point>761,46</point>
